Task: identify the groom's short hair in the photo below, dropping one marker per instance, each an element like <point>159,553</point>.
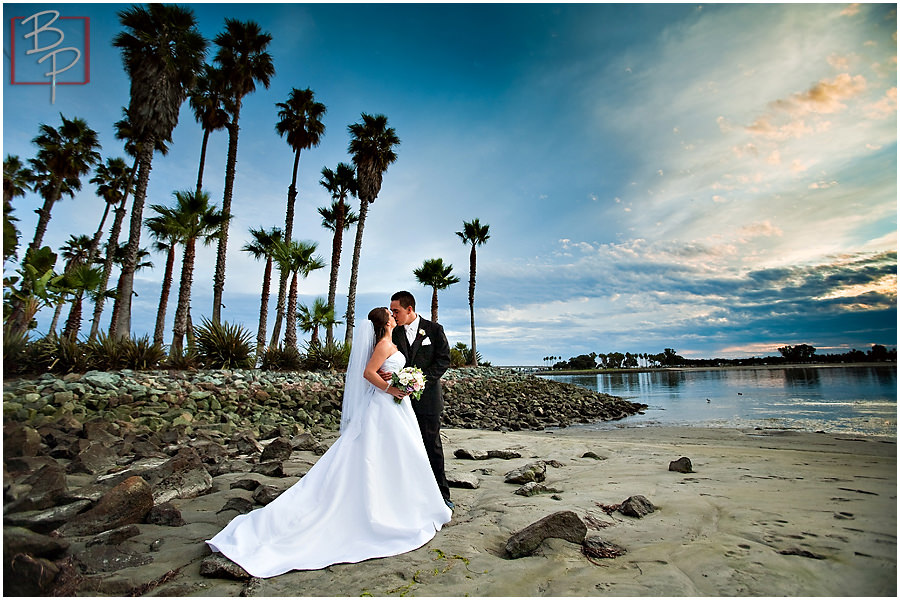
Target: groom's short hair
<point>405,299</point>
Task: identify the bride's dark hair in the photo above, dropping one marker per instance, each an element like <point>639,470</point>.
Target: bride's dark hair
<point>380,316</point>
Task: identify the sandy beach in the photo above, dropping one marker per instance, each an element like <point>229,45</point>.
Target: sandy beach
<point>765,513</point>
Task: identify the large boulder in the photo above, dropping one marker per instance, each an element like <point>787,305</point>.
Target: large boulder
<point>278,449</point>
<point>45,487</point>
<point>127,503</point>
<point>182,476</point>
<point>636,506</point>
<point>536,471</point>
<point>20,440</point>
<point>563,524</point>
<point>48,519</point>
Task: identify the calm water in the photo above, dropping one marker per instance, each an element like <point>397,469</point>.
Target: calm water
<point>833,399</point>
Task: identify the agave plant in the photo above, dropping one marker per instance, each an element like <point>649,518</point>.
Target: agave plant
<point>281,358</point>
<point>105,352</point>
<point>224,346</point>
<point>332,356</point>
<point>141,354</point>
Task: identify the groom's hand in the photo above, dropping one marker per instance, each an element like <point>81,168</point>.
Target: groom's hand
<point>386,375</point>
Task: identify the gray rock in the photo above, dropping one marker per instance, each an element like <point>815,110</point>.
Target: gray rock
<point>466,454</point>
<point>238,504</point>
<point>563,524</point>
<point>165,514</point>
<point>20,440</point>
<point>536,471</point>
<point>593,455</point>
<point>18,540</point>
<point>105,559</point>
<point>682,465</point>
<point>182,476</point>
<point>221,567</point>
<point>244,484</point>
<point>304,441</point>
<point>533,488</point>
<point>246,443</point>
<point>266,493</point>
<point>95,459</point>
<point>468,481</point>
<point>127,503</point>
<point>47,486</point>
<point>636,506</point>
<point>45,521</point>
<point>102,379</point>
<point>114,537</point>
<point>272,468</point>
<point>278,449</point>
<point>504,454</point>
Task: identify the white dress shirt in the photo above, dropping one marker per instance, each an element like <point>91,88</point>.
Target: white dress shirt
<point>411,330</point>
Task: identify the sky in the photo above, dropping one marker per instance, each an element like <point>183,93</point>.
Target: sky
<point>720,179</point>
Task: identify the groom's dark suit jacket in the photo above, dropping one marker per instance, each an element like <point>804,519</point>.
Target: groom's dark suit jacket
<point>431,353</point>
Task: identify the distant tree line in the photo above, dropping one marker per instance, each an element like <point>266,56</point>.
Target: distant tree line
<point>801,353</point>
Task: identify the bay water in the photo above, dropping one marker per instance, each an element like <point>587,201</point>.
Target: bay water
<point>835,399</point>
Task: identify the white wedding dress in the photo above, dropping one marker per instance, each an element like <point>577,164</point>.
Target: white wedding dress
<point>372,494</point>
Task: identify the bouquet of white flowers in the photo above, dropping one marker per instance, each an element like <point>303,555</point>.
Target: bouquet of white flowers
<point>411,380</point>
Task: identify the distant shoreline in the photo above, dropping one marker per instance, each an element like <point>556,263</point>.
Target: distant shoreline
<point>725,368</point>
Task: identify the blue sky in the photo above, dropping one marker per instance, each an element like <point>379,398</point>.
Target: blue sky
<point>719,179</point>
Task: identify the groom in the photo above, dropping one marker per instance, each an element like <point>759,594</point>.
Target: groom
<point>424,345</point>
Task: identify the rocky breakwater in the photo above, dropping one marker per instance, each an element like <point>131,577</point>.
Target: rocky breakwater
<point>501,399</point>
<point>230,401</point>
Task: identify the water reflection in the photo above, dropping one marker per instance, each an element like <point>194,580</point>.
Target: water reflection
<point>850,399</point>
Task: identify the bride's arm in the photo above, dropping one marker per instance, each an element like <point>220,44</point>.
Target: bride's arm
<point>382,350</point>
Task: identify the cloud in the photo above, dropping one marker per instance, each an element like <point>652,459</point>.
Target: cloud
<point>851,10</point>
<point>885,107</point>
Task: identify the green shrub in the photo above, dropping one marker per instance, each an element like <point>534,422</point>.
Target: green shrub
<point>141,354</point>
<point>281,358</point>
<point>57,354</point>
<point>105,353</point>
<point>332,356</point>
<point>15,346</point>
<point>181,360</point>
<point>224,346</point>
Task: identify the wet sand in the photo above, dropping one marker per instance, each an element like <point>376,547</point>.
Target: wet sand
<point>766,513</point>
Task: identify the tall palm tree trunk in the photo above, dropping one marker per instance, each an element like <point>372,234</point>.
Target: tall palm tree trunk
<point>354,268</point>
<point>434,304</point>
<point>164,296</point>
<point>290,329</point>
<point>288,232</point>
<point>264,309</point>
<point>184,296</point>
<point>120,326</point>
<point>73,323</point>
<point>336,243</point>
<point>202,160</point>
<point>57,312</point>
<point>44,217</point>
<point>474,362</point>
<point>219,280</point>
<point>95,241</point>
<point>111,246</point>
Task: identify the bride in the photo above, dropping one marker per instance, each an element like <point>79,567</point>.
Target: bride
<point>372,494</point>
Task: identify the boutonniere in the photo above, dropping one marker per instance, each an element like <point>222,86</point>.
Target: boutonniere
<point>421,332</point>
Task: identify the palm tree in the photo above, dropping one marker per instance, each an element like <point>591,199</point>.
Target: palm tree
<point>207,100</point>
<point>315,316</point>
<point>17,180</point>
<point>112,182</point>
<point>372,145</point>
<point>433,273</point>
<point>83,278</point>
<point>296,258</point>
<point>476,234</point>
<point>141,262</point>
<point>243,60</point>
<point>67,154</point>
<point>75,252</point>
<point>124,131</point>
<point>166,231</point>
<point>301,121</point>
<point>196,219</point>
<point>341,183</point>
<point>263,246</point>
<point>163,51</point>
